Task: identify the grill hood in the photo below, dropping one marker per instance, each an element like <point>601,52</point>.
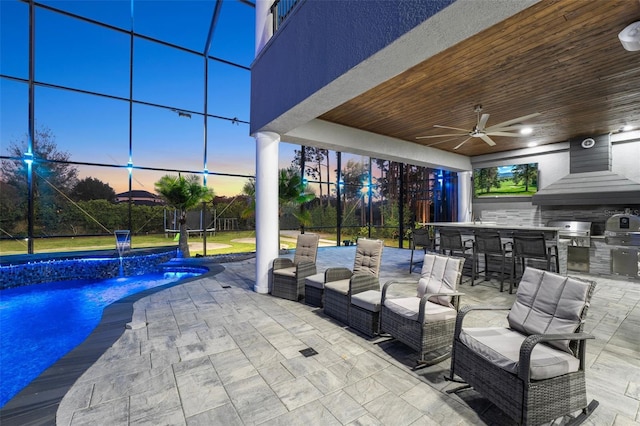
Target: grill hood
<point>590,180</point>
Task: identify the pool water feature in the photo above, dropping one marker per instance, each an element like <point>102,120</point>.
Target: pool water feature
<point>41,323</point>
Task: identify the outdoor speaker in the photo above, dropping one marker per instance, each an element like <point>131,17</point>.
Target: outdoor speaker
<point>630,37</point>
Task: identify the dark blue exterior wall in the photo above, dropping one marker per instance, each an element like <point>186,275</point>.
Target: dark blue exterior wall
<point>322,40</point>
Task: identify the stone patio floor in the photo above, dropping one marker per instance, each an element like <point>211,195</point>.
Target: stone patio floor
<point>211,351</point>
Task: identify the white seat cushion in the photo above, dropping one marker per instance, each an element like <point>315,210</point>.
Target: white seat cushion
<point>368,300</point>
<point>501,347</point>
<point>409,307</point>
<point>340,286</point>
<point>287,272</point>
<point>316,280</point>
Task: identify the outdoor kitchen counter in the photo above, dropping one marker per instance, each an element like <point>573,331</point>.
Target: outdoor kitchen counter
<point>506,231</point>
<point>551,232</point>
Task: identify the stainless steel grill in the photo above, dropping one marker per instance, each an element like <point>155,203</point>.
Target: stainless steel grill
<point>622,230</point>
<point>578,234</point>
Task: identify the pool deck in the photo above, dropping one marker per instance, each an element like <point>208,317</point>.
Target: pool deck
<point>212,351</point>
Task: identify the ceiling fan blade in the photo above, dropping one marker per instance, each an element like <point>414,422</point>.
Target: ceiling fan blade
<point>452,128</point>
<point>462,143</point>
<point>441,136</point>
<point>511,127</point>
<point>514,121</point>
<point>512,135</point>
<point>439,142</point>
<point>488,140</point>
<point>483,121</point>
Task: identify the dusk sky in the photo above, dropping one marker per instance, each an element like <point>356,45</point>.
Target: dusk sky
<point>76,54</point>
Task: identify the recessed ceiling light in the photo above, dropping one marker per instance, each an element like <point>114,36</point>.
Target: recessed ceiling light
<point>627,127</point>
<point>532,144</point>
<point>526,131</point>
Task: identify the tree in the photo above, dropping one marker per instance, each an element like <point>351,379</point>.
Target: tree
<point>49,164</point>
<point>292,191</point>
<point>183,194</point>
<point>92,189</point>
<point>526,173</point>
<point>52,177</point>
<point>314,161</point>
<point>485,179</point>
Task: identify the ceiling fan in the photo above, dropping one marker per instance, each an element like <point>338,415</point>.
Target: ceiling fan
<point>480,131</point>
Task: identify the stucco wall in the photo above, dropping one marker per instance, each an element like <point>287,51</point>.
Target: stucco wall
<point>332,37</point>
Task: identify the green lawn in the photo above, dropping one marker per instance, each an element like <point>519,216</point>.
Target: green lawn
<point>233,241</point>
<point>46,245</point>
<point>507,188</point>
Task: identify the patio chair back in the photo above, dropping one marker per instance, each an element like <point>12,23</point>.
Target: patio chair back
<point>368,256</point>
<point>306,248</point>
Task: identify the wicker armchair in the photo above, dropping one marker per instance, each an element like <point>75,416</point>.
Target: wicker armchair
<point>425,322</point>
<point>534,370</point>
<point>341,283</point>
<point>289,275</point>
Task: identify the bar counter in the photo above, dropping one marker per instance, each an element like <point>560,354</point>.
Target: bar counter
<point>506,231</point>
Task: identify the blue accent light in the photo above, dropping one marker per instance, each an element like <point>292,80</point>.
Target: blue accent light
<point>28,158</point>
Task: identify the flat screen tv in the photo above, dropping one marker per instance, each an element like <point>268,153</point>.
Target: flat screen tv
<point>516,180</point>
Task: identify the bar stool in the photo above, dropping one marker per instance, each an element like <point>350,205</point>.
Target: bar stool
<point>532,246</point>
<point>420,238</point>
<point>490,245</point>
<point>451,240</point>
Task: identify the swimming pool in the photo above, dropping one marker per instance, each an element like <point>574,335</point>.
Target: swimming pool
<point>41,323</point>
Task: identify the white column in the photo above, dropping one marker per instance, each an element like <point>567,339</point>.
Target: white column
<point>465,197</point>
<point>267,220</point>
<point>264,23</point>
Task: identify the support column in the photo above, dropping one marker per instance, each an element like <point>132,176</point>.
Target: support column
<point>267,220</point>
<point>264,24</point>
<point>465,197</point>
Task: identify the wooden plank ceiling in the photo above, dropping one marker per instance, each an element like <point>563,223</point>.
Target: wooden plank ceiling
<point>560,58</point>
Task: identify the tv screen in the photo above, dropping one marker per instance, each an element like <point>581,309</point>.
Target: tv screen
<point>516,180</point>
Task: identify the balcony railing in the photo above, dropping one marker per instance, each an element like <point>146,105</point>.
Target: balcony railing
<point>280,10</point>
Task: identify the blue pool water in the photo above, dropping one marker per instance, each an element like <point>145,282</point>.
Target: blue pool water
<point>40,323</point>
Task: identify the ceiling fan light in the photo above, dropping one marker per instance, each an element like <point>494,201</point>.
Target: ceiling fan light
<point>526,130</point>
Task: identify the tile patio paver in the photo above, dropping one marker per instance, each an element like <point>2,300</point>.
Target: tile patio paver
<point>214,355</point>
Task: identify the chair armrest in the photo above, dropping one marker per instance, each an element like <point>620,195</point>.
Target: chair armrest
<point>363,282</point>
<point>282,262</point>
<point>305,268</point>
<point>426,297</point>
<point>468,308</point>
<point>389,283</point>
<point>336,274</point>
<point>531,341</point>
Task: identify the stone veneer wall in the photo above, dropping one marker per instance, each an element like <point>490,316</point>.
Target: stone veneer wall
<point>81,268</point>
<point>541,215</point>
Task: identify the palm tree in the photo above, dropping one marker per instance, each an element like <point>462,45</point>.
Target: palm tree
<point>291,191</point>
<point>183,194</point>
